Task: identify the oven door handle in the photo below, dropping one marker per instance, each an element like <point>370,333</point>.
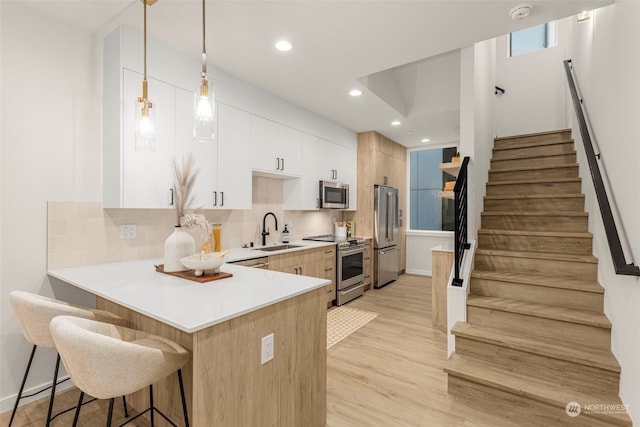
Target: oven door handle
<point>343,252</point>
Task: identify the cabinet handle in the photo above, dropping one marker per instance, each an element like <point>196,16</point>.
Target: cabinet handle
<point>277,163</point>
<point>171,197</point>
<point>282,164</point>
<point>328,269</point>
<point>328,252</point>
<point>296,269</point>
<point>336,171</point>
<point>366,277</point>
<point>215,198</point>
<point>330,291</point>
<point>222,198</point>
<point>367,258</point>
<point>301,271</point>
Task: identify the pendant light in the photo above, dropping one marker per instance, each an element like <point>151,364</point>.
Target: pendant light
<point>204,102</point>
<point>145,126</point>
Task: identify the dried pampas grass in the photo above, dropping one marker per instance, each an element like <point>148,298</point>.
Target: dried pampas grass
<point>185,178</point>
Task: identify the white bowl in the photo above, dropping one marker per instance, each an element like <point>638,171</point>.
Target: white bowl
<point>200,263</point>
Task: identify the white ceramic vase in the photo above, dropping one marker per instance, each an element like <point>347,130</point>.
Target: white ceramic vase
<point>178,245</point>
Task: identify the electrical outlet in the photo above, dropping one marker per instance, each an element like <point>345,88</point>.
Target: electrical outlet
<point>128,231</point>
<point>267,348</point>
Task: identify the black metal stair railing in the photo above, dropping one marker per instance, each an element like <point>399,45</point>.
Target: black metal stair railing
<point>615,246</point>
<point>460,220</point>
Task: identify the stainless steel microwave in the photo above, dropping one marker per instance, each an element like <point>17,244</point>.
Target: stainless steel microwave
<point>333,195</point>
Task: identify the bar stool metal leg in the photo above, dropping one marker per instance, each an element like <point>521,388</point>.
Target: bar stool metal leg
<point>151,403</point>
<point>24,380</point>
<point>77,415</point>
<point>110,412</point>
<point>184,400</point>
<point>53,390</point>
<point>124,405</point>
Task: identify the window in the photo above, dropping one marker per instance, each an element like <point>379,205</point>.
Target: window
<point>532,39</point>
<point>427,210</point>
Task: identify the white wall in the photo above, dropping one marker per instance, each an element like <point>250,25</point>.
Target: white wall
<point>50,150</point>
<point>477,71</point>
<point>419,245</point>
<point>535,98</point>
<point>604,51</point>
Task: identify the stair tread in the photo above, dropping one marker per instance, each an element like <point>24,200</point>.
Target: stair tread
<point>534,196</point>
<point>546,281</point>
<point>532,387</point>
<point>534,144</point>
<point>545,213</point>
<point>535,181</point>
<point>529,135</point>
<point>571,315</point>
<point>539,255</point>
<point>522,156</point>
<point>585,235</point>
<point>595,357</point>
<point>537,167</point>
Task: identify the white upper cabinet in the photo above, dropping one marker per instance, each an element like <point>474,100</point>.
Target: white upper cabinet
<point>322,160</point>
<point>234,169</point>
<point>147,178</point>
<point>275,148</point>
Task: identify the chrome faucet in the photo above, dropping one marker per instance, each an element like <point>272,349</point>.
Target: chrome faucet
<point>265,232</point>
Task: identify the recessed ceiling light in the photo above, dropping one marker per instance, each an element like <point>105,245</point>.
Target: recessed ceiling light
<point>425,140</point>
<point>395,123</point>
<point>283,46</point>
<point>355,92</point>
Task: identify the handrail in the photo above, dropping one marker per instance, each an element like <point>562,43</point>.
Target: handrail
<point>615,246</point>
<point>460,220</point>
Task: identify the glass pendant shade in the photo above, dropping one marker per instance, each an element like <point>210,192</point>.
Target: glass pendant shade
<point>204,107</point>
<point>145,127</point>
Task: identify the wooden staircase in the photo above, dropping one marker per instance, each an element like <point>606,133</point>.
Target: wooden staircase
<point>536,337</point>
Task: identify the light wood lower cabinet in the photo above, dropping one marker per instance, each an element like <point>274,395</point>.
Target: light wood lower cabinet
<point>368,264</point>
<point>318,262</point>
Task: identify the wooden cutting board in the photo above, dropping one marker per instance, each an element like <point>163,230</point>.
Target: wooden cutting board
<point>191,275</point>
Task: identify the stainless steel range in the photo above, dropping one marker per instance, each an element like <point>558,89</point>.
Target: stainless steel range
<point>349,266</point>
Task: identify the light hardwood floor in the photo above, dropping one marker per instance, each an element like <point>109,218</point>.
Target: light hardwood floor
<point>386,374</point>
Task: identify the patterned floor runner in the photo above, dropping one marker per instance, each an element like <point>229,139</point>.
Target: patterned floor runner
<point>343,321</point>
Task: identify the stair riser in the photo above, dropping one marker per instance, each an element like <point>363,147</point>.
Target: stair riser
<point>542,327</point>
<point>533,139</point>
<point>580,300</point>
<point>572,224</point>
<point>518,408</point>
<point>541,267</point>
<point>526,243</point>
<point>563,159</point>
<point>542,150</point>
<point>568,373</point>
<point>513,175</point>
<point>569,204</point>
<point>571,187</point>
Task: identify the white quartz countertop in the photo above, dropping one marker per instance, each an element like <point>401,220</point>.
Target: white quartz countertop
<point>187,305</point>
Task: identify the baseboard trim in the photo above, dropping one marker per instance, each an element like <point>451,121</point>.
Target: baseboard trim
<point>418,272</point>
<point>6,403</point>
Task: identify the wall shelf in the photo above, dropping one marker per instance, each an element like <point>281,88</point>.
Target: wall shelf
<point>451,168</point>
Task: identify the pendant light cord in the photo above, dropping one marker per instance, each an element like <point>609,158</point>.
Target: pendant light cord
<point>145,39</point>
<point>204,47</point>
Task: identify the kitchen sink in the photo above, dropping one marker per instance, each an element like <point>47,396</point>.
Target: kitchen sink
<point>277,248</point>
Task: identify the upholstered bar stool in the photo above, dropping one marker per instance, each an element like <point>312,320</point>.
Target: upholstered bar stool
<point>34,313</point>
<point>107,361</point>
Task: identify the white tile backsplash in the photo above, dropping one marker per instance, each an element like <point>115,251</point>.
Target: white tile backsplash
<point>82,233</point>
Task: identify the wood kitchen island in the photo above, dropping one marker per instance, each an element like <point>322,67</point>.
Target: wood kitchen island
<point>222,324</point>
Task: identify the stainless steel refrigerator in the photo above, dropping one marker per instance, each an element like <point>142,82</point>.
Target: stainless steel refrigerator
<point>385,238</point>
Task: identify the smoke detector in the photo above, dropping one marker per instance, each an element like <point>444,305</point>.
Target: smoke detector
<point>520,12</point>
